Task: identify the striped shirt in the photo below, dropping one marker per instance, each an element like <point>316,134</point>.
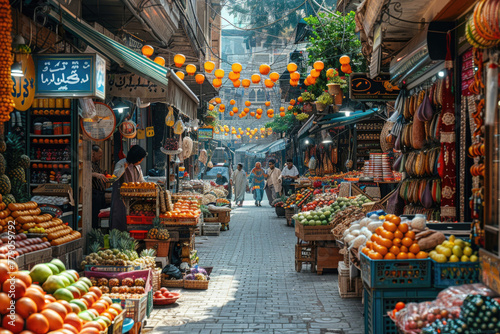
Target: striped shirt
<point>97,184</point>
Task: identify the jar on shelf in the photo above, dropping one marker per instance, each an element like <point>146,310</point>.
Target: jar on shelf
<point>58,128</point>
<point>66,128</point>
<point>47,128</point>
<point>67,103</point>
<point>59,103</point>
<point>52,103</point>
<point>38,128</point>
<point>35,103</point>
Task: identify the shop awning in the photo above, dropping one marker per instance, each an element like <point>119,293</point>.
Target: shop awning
<point>245,148</point>
<point>278,145</point>
<point>178,93</point>
<point>339,119</point>
<point>307,125</point>
<point>260,151</point>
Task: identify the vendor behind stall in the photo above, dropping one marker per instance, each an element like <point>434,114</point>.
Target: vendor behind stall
<point>289,174</point>
<point>126,170</point>
<point>221,180</point>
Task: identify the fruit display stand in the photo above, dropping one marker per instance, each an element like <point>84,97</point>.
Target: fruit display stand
<point>140,193</point>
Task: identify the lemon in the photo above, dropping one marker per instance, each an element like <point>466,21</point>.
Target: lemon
<point>467,251</point>
<point>464,258</point>
<point>452,238</point>
<point>460,243</point>
<point>458,251</point>
<point>440,258</point>
<point>454,258</point>
<point>474,258</point>
<point>432,254</point>
<point>445,251</point>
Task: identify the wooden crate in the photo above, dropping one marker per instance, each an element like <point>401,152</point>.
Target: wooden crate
<point>305,253</point>
<point>327,258</point>
<point>314,233</point>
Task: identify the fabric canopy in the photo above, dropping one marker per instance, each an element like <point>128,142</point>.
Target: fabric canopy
<point>178,94</point>
<point>245,148</point>
<point>335,120</point>
<point>260,151</point>
<point>278,145</point>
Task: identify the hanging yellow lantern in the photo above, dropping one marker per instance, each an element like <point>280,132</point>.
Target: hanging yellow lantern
<point>231,113</point>
<point>235,110</point>
<point>262,130</point>
<point>216,83</point>
<point>264,69</point>
<point>250,136</point>
<point>255,78</point>
<point>232,102</point>
<point>221,110</point>
<point>261,136</point>
<point>252,113</point>
<point>180,75</point>
<point>245,83</point>
<point>241,115</point>
<point>233,76</point>
<point>307,83</point>
<point>147,50</point>
<point>291,67</point>
<point>274,76</point>
<point>226,134</point>
<point>267,103</point>
<point>238,136</point>
<point>282,114</point>
<point>292,102</point>
<point>315,73</point>
<point>295,76</point>
<point>209,66</point>
<point>311,80</point>
<point>236,67</point>
<point>160,61</point>
<point>330,72</point>
<point>290,108</point>
<point>179,60</point>
<point>218,100</point>
<point>236,83</point>
<point>200,78</point>
<point>219,73</point>
<point>270,115</point>
<point>248,129</point>
<point>268,83</point>
<point>190,69</point>
<point>294,83</point>
<point>246,110</point>
<point>211,107</point>
<point>344,60</point>
<point>248,103</point>
<point>319,65</point>
<point>259,111</point>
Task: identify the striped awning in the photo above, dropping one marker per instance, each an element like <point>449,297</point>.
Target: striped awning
<point>177,94</point>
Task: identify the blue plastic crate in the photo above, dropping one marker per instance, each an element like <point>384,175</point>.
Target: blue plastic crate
<point>396,274</point>
<point>379,302</point>
<point>456,273</point>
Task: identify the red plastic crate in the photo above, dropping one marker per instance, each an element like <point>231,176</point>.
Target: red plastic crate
<point>139,234</point>
<point>140,220</point>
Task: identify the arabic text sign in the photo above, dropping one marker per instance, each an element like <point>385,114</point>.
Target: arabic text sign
<point>205,134</point>
<point>70,75</point>
<point>362,88</point>
<point>23,91</point>
<point>132,85</point>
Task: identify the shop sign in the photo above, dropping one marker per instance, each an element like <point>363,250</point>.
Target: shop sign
<point>133,42</point>
<point>70,75</point>
<point>23,91</point>
<point>131,85</point>
<point>362,88</point>
<point>205,134</point>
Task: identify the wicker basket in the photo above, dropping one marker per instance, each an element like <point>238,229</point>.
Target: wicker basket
<point>280,211</point>
<point>156,279</point>
<point>162,246</point>
<point>195,285</point>
<point>172,283</point>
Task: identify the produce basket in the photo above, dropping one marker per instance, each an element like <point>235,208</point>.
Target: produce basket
<point>396,274</point>
<point>314,233</point>
<point>222,217</point>
<point>138,234</point>
<point>195,284</point>
<point>144,274</point>
<point>162,246</point>
<point>172,283</point>
<point>112,269</point>
<point>455,273</point>
<point>289,212</point>
<point>140,220</point>
<point>280,211</point>
<point>166,301</point>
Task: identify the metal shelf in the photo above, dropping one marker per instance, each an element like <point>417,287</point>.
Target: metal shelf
<point>51,162</point>
<point>50,136</point>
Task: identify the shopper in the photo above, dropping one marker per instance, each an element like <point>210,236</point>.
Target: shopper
<point>221,180</point>
<point>288,175</point>
<point>273,184</point>
<point>240,183</point>
<point>126,170</point>
<point>257,182</point>
<point>98,185</point>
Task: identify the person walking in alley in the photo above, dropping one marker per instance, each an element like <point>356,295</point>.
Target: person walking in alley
<point>98,185</point>
<point>289,174</point>
<point>257,182</point>
<point>273,184</point>
<point>240,183</point>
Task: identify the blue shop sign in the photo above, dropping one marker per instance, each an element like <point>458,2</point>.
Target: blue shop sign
<point>70,75</point>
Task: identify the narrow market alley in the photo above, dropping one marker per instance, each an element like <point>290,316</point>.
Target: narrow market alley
<point>255,288</point>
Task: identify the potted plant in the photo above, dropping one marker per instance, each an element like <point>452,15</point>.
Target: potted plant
<point>323,101</point>
<point>336,85</point>
<point>307,100</point>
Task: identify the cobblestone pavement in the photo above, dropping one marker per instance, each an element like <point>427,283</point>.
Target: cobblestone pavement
<point>254,286</point>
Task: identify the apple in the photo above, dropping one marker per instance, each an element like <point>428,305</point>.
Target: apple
<point>162,290</point>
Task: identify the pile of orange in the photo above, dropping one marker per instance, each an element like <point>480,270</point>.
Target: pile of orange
<point>51,112</point>
<point>35,312</point>
<point>50,166</point>
<point>184,209</point>
<point>392,241</point>
<point>50,141</point>
<point>6,60</point>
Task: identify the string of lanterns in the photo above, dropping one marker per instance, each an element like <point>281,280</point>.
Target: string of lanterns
<point>251,133</point>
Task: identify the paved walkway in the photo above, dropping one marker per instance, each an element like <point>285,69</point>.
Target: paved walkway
<point>254,286</point>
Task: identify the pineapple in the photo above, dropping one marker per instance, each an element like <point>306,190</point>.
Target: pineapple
<point>9,198</point>
<point>17,173</point>
<point>3,146</point>
<point>24,161</point>
<point>15,151</point>
<point>5,185</point>
<point>2,164</point>
<point>16,162</point>
<point>94,247</point>
<point>153,233</point>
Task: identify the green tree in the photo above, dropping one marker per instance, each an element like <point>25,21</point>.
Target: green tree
<point>282,124</point>
<point>333,35</point>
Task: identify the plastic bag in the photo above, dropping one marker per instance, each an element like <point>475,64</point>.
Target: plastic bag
<point>179,127</point>
<point>170,119</point>
<point>203,157</point>
<point>87,108</point>
<point>312,163</point>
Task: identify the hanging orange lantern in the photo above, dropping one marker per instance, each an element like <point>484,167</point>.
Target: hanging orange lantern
<point>307,83</point>
<point>258,116</point>
<point>148,50</point>
<point>200,78</point>
<point>330,72</point>
<point>267,104</point>
<point>236,67</point>
<point>232,102</point>
<point>344,60</point>
<point>290,108</point>
<point>248,103</point>
<point>268,83</point>
<point>231,113</point>
<point>241,115</point>
<point>270,115</point>
<point>282,114</point>
<point>300,99</point>
<point>252,114</point>
<point>190,69</point>
<point>160,61</point>
<point>235,110</point>
<point>211,107</point>
<point>295,76</point>
<point>233,76</point>
<point>221,110</point>
<point>346,69</point>
<point>291,67</point>
<point>179,60</point>
<point>255,78</point>
<point>295,114</point>
<point>245,83</point>
<point>292,102</point>
<point>270,111</point>
<point>264,69</point>
<point>238,136</point>
<point>319,65</point>
<point>315,73</point>
<point>226,134</point>
<point>259,111</point>
<point>246,110</point>
<point>216,83</point>
<point>274,76</point>
<point>180,74</point>
<point>294,83</point>
<point>223,107</point>
<point>209,66</point>
<point>219,73</point>
<point>282,108</point>
<point>218,100</point>
<point>236,83</point>
<point>250,136</point>
<point>311,80</point>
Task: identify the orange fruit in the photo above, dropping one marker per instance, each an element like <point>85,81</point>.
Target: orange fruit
<point>415,248</point>
<point>385,242</point>
<point>114,311</point>
<point>403,228</point>
<point>55,320</point>
<point>390,226</point>
<point>402,256</point>
<point>14,323</point>
<point>396,242</point>
<point>389,256</point>
<point>403,249</point>
<point>374,238</point>
<point>411,256</point>
<point>96,291</point>
<point>66,304</point>
<point>94,324</point>
<point>380,249</point>
<point>365,250</point>
<point>23,276</point>
<point>369,244</point>
<point>25,307</point>
<point>18,287</point>
<point>375,256</point>
<point>49,298</point>
<point>4,303</point>
<point>388,235</point>
<point>90,330</point>
<point>400,306</point>
<point>394,219</point>
<point>379,230</point>
<point>394,250</point>
<point>37,323</point>
<point>58,308</point>
<point>36,296</point>
<point>73,320</point>
<point>407,242</point>
<point>398,234</point>
<point>70,328</point>
<point>422,255</point>
<point>100,307</point>
<point>410,234</point>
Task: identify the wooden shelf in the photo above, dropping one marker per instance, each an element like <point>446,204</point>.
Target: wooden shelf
<point>491,228</point>
<point>50,136</point>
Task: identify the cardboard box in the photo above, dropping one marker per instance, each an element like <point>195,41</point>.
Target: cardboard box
<point>50,189</point>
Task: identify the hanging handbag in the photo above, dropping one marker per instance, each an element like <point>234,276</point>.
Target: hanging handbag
<point>395,204</point>
<point>427,196</point>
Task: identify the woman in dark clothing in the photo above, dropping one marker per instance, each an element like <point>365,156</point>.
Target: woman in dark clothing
<point>126,170</point>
